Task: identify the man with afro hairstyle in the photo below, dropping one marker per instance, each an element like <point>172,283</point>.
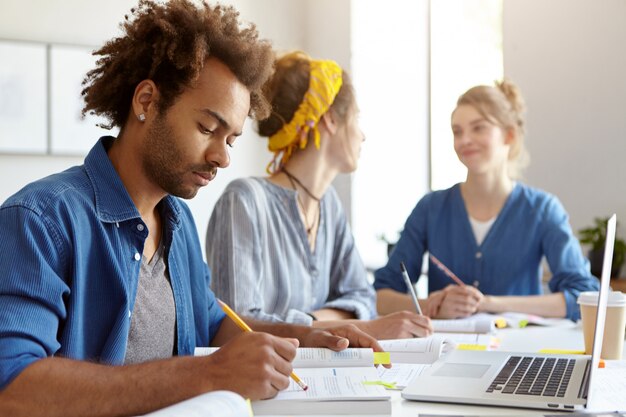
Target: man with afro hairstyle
<point>103,290</point>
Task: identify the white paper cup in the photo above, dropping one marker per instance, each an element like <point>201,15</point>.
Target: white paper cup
<point>613,342</point>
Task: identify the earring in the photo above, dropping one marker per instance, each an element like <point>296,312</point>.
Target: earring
<point>141,117</point>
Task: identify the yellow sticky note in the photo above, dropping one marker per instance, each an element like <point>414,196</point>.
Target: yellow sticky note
<point>500,323</point>
<point>469,346</point>
<point>601,363</point>
<point>562,351</point>
<point>382,358</point>
<point>388,385</point>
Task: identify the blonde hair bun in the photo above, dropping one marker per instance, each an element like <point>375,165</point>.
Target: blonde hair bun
<point>514,97</point>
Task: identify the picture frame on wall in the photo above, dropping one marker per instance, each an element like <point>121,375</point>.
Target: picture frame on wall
<point>70,132</point>
<point>23,97</point>
<point>41,102</point>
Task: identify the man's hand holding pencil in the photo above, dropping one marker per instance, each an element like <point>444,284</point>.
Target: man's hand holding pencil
<point>257,364</point>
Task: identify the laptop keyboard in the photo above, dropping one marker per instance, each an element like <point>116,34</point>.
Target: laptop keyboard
<point>529,375</point>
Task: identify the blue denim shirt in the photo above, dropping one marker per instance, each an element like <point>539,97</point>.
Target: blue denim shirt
<point>532,224</point>
<point>70,250</point>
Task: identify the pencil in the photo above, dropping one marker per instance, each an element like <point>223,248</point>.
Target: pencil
<point>243,326</point>
<point>446,270</point>
<point>407,281</point>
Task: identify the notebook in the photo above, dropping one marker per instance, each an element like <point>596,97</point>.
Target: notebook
<point>496,378</point>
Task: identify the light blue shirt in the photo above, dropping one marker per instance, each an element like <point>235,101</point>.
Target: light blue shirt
<point>70,254</point>
<point>532,224</point>
<point>262,263</point>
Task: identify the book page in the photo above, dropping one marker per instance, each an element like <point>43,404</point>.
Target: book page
<point>326,358</point>
<point>211,404</point>
<point>473,324</point>
<point>319,357</point>
<point>476,339</point>
<point>400,375</point>
<point>417,350</point>
<point>521,320</point>
<point>329,384</point>
<point>609,386</point>
<point>423,345</point>
<point>204,351</point>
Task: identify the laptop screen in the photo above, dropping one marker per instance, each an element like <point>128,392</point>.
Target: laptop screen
<point>602,302</point>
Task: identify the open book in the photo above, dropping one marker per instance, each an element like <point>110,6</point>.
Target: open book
<point>488,323</point>
<point>417,350</point>
<point>342,382</point>
<point>520,320</point>
<point>472,341</point>
<point>478,323</point>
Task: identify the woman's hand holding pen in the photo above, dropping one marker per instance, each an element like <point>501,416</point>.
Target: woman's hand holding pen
<point>454,301</point>
<point>398,325</point>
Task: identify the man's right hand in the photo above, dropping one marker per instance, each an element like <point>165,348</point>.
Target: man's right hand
<point>256,365</point>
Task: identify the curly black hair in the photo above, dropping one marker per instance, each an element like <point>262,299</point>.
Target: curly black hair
<point>169,43</point>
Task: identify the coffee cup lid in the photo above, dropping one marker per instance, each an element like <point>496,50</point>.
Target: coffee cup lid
<point>616,298</point>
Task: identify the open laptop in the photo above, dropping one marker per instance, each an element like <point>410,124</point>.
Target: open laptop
<point>513,379</point>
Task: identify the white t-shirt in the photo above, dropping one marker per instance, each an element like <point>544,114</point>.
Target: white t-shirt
<point>481,229</point>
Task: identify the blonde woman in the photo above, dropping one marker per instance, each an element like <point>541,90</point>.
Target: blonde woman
<point>491,230</point>
<point>280,247</point>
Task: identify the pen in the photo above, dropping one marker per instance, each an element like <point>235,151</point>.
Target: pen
<point>446,270</point>
<point>407,280</point>
<point>243,326</point>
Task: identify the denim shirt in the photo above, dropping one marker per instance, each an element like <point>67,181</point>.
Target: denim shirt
<point>532,224</point>
<point>70,254</point>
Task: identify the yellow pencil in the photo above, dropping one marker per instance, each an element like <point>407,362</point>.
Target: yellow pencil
<point>243,326</point>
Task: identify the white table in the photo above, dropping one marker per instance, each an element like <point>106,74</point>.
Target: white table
<point>567,336</point>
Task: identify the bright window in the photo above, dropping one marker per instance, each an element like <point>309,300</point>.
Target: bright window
<point>390,71</point>
<point>466,50</point>
<point>410,62</point>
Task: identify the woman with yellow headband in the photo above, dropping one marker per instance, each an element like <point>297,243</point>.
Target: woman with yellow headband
<point>280,248</point>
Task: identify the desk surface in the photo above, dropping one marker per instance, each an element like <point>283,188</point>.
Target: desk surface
<point>530,339</point>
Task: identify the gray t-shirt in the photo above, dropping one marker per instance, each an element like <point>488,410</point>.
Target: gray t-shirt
<point>153,320</point>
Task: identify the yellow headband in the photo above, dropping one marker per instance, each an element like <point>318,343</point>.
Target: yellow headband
<point>324,84</point>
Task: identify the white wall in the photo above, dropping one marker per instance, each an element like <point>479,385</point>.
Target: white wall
<point>569,58</point>
<point>327,36</point>
<point>91,23</point>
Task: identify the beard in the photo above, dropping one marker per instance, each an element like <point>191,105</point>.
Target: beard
<point>164,161</point>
